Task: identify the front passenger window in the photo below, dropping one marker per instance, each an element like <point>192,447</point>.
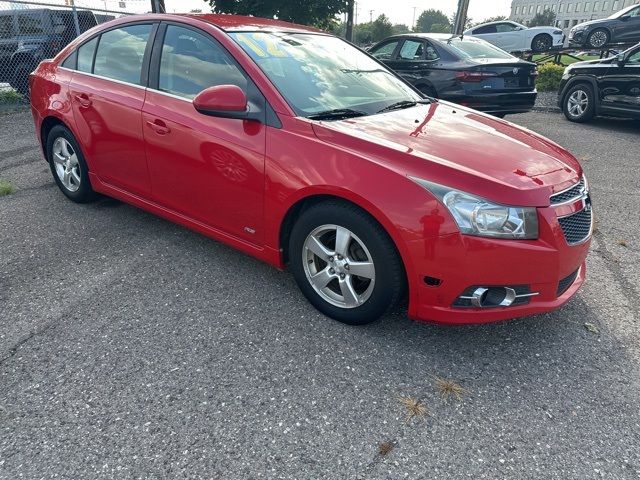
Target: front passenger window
<point>120,53</point>
<point>192,62</point>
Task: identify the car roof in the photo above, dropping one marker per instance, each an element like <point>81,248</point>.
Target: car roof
<point>493,23</point>
<point>247,23</point>
<point>442,37</point>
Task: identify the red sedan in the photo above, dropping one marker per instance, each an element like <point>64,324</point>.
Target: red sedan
<point>299,149</point>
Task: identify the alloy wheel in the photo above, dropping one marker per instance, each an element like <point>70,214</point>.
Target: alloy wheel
<point>598,39</point>
<point>66,164</point>
<point>577,103</point>
<point>338,266</point>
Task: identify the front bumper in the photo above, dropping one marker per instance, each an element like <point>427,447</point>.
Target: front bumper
<point>461,261</point>
<point>578,38</point>
<point>500,103</point>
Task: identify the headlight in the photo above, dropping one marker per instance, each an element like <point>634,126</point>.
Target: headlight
<point>480,217</point>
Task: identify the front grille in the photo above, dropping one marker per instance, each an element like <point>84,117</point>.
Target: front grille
<point>576,227</point>
<point>566,282</point>
<point>574,192</point>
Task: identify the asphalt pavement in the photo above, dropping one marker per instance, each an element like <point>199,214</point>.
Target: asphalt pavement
<point>131,347</point>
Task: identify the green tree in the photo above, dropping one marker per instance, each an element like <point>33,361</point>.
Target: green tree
<point>313,12</point>
<point>499,18</point>
<point>381,28</point>
<point>429,18</point>
<point>399,28</point>
<point>543,19</point>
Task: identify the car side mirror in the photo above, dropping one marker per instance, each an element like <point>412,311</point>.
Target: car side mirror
<point>620,59</point>
<point>226,101</point>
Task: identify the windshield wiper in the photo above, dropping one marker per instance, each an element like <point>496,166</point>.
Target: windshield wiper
<point>403,104</point>
<point>337,114</point>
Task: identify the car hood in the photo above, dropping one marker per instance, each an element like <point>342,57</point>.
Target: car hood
<point>599,21</point>
<point>461,148</point>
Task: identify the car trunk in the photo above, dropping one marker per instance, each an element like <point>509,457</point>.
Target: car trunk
<point>493,76</point>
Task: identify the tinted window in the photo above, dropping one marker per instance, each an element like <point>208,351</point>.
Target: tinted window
<point>634,57</point>
<point>431,53</point>
<point>505,27</point>
<point>411,50</point>
<point>85,55</point>
<point>384,52</point>
<point>474,48</point>
<point>5,26</point>
<point>191,62</point>
<point>30,24</point>
<point>120,53</point>
<point>485,29</point>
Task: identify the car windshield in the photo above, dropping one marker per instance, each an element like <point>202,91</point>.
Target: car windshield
<point>321,73</point>
<point>473,48</point>
<point>625,11</point>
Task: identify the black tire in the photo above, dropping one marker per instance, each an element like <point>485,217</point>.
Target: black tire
<point>587,112</point>
<point>20,78</point>
<point>385,291</point>
<point>599,38</point>
<point>541,43</point>
<point>83,193</point>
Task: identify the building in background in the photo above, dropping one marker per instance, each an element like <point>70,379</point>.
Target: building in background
<point>569,13</point>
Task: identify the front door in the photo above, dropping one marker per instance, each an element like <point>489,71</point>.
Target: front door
<point>209,169</point>
<point>621,86</point>
<point>107,96</point>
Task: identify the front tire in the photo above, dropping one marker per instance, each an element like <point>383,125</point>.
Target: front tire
<point>578,104</point>
<point>599,38</point>
<point>345,263</point>
<point>541,43</point>
<point>68,165</point>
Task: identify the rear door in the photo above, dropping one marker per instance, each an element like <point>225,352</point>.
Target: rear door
<point>210,169</point>
<point>107,95</point>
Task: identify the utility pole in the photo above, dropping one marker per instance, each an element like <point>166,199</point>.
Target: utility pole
<point>413,23</point>
<point>370,16</point>
<point>157,6</point>
<point>461,17</point>
<point>349,32</point>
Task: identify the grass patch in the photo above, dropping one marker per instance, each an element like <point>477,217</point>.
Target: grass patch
<point>5,188</point>
<point>449,389</point>
<point>414,407</point>
<point>567,60</point>
<point>10,96</point>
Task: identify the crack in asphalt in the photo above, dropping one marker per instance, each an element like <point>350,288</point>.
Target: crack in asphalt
<point>627,288</point>
<point>58,313</point>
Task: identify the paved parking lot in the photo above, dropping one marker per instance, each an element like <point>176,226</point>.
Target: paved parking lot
<point>133,348</point>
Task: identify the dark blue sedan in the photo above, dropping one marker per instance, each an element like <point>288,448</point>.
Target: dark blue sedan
<point>467,71</point>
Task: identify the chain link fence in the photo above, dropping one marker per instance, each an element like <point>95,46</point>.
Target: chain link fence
<point>31,32</point>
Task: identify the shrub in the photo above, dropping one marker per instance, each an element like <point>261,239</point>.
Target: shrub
<point>549,77</point>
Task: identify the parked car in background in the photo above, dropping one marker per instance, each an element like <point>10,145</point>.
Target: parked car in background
<point>28,36</point>
<point>467,71</point>
<point>298,148</point>
<point>602,87</point>
<point>621,27</point>
<point>514,37</point>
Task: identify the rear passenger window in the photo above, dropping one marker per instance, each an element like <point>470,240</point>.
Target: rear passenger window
<point>191,62</point>
<point>120,53</point>
<point>85,55</point>
<point>411,50</point>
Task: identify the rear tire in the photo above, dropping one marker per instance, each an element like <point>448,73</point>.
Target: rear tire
<point>541,43</point>
<point>579,103</point>
<point>68,166</point>
<point>599,38</point>
<point>329,245</point>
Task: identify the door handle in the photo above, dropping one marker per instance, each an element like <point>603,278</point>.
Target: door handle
<point>83,100</point>
<point>159,127</point>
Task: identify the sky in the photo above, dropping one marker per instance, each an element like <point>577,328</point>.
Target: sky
<point>399,11</point>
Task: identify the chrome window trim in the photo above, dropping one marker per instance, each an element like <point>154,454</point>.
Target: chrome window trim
<point>104,78</point>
